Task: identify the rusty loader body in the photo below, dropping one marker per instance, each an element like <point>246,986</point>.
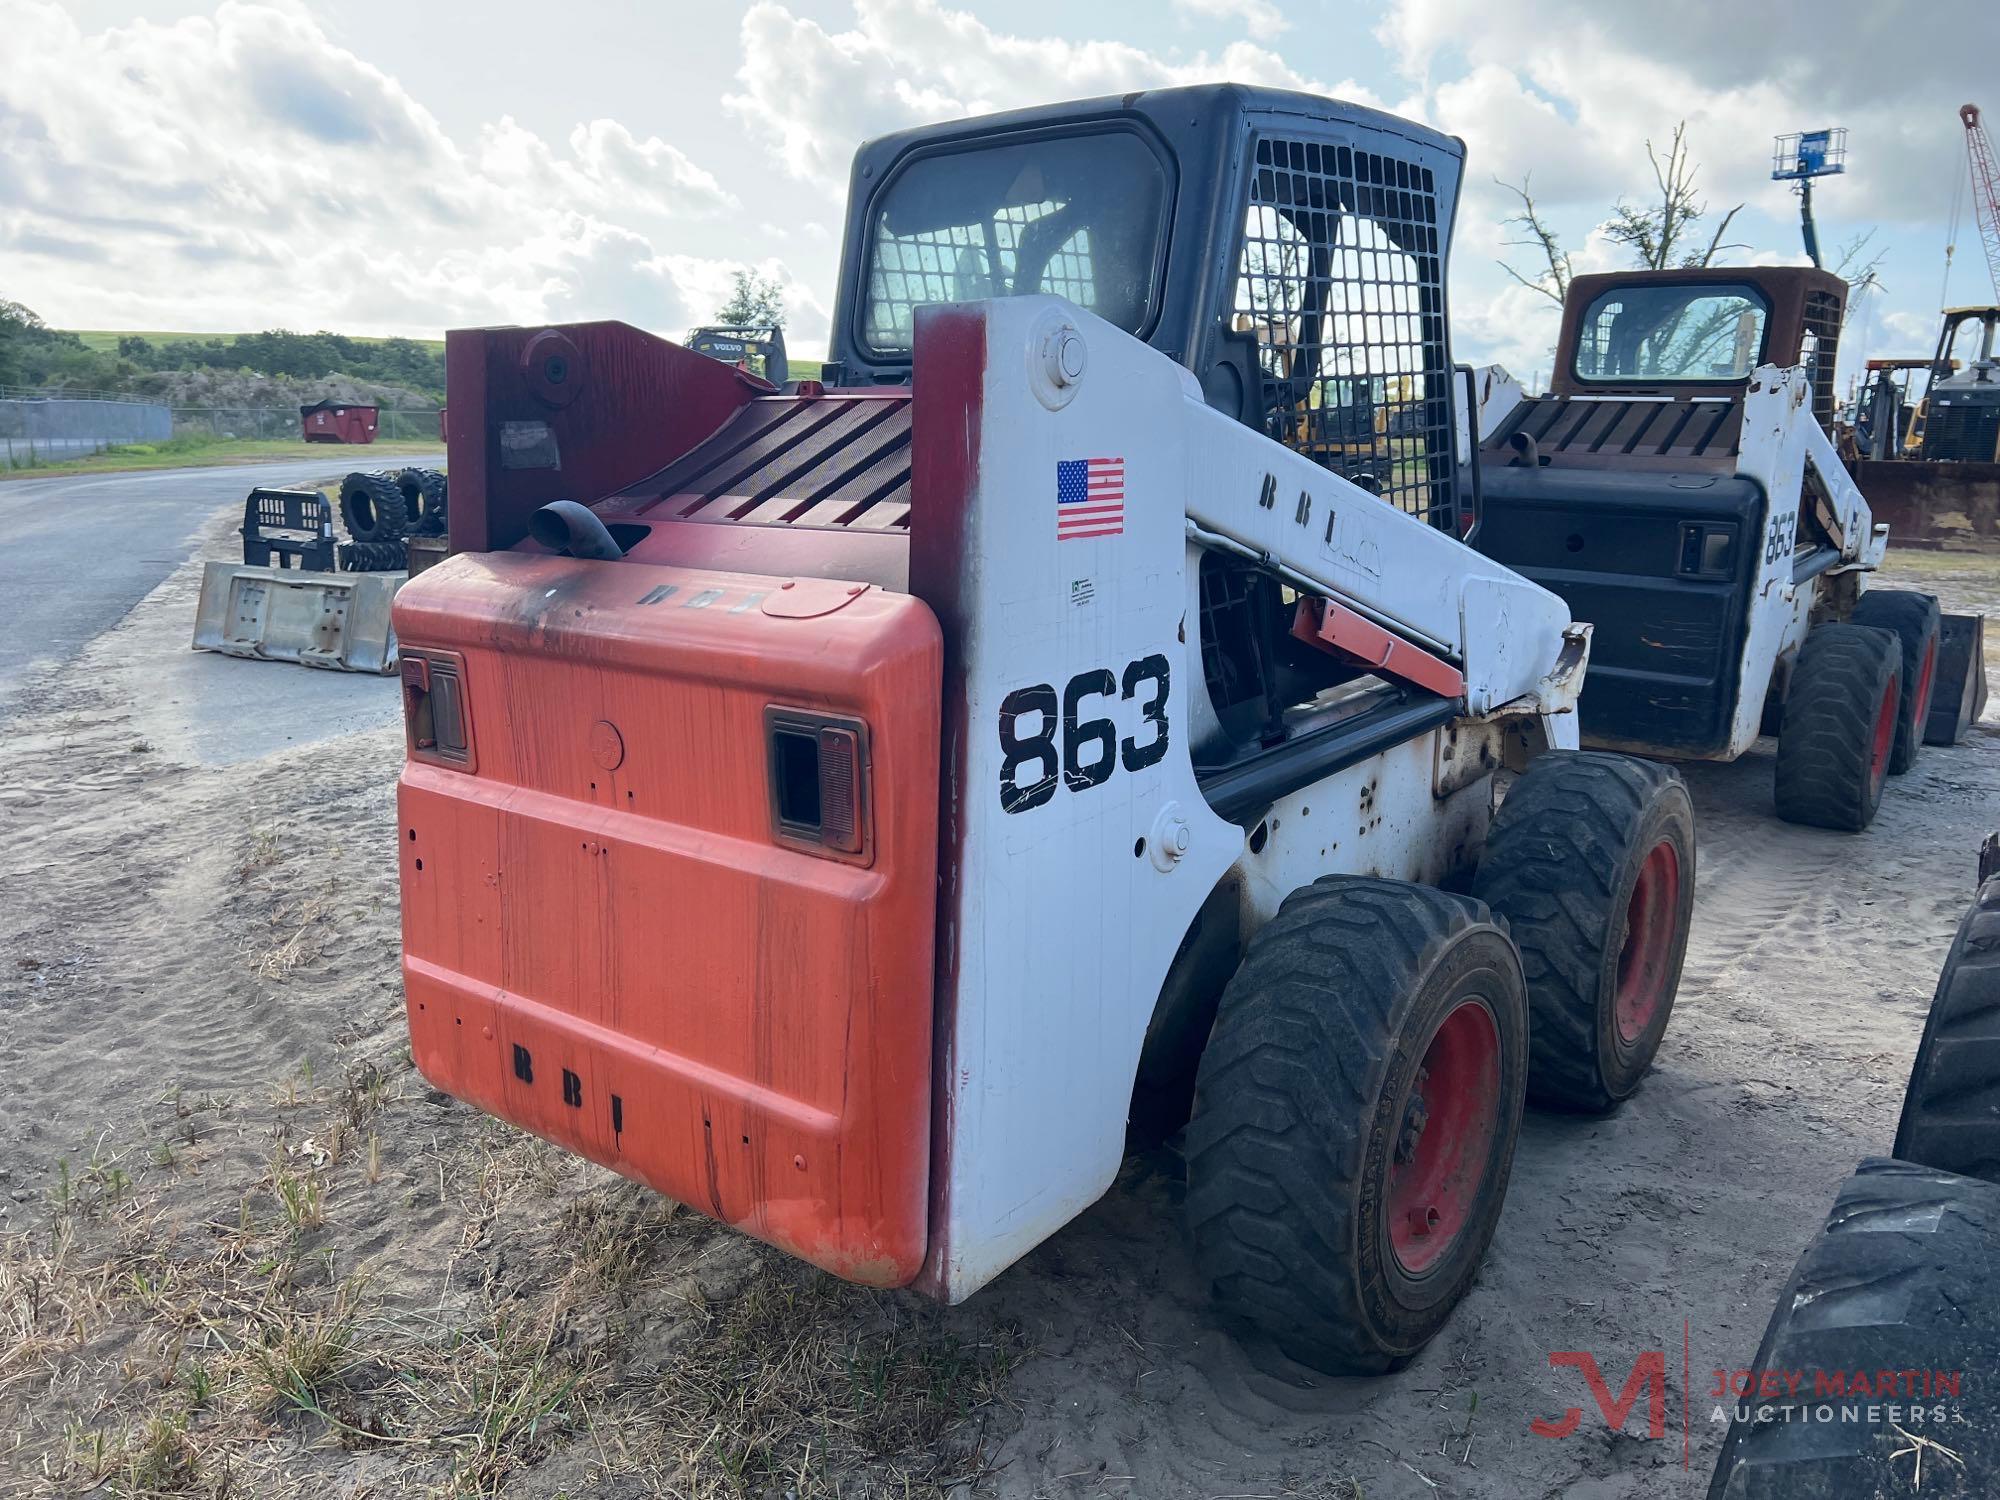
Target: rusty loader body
<point>1679,488</point>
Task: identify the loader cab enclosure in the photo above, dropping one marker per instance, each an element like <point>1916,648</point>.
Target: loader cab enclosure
<point>1287,250</point>
<point>859,810</point>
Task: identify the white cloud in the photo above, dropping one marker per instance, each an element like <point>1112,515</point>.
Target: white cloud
<point>814,95</point>
<point>240,169</point>
<point>1917,333</point>
<point>1569,94</point>
<point>1261,18</point>
<point>1738,75</point>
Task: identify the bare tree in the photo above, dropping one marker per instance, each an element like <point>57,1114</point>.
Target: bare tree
<point>1861,275</point>
<point>1659,234</point>
<point>1656,235</point>
<point>1553,280</point>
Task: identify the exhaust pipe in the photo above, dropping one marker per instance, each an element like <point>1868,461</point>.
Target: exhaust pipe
<point>565,526</point>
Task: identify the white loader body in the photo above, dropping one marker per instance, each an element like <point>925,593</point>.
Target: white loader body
<point>1079,842</point>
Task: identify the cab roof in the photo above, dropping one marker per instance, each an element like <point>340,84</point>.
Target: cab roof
<point>1194,104</point>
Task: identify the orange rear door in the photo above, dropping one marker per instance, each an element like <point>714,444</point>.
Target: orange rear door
<point>669,844</point>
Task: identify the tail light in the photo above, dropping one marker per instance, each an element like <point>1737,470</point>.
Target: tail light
<point>819,782</point>
<point>434,718</point>
<point>1706,550</point>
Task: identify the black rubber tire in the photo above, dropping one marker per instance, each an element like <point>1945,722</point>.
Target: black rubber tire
<point>1563,862</point>
<point>1826,776</point>
<point>424,498</point>
<point>1951,1110</point>
<point>1913,619</point>
<point>1900,1280</point>
<point>372,508</point>
<point>371,557</point>
<point>1302,1100</point>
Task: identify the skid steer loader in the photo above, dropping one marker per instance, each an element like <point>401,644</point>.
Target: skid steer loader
<point>862,812</point>
<point>1679,488</point>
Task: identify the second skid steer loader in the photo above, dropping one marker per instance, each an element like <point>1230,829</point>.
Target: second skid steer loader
<point>1679,487</point>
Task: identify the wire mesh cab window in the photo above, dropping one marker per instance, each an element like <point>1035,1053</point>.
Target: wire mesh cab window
<point>1819,351</point>
<point>1700,334</point>
<point>1081,216</point>
<point>1340,285</point>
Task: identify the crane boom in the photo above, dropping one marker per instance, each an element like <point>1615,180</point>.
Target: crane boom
<point>1985,188</point>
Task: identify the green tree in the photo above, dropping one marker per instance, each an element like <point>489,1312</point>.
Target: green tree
<point>33,354</point>
<point>754,302</point>
<point>23,336</point>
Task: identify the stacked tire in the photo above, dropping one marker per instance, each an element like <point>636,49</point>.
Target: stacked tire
<point>382,510</point>
<point>372,557</point>
<point>424,497</point>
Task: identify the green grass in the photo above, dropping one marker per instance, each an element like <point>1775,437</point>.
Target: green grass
<point>199,452</point>
<point>105,340</point>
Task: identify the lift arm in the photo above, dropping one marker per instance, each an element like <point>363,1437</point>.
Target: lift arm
<point>1242,493</point>
<point>1336,541</point>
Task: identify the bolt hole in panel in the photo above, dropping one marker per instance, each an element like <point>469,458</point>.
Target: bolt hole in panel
<point>653,969</point>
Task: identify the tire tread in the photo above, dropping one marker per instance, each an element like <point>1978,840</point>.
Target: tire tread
<point>1824,744</point>
<point>1554,858</point>
<point>1288,1087</point>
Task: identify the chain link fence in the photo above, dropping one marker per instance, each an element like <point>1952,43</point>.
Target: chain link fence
<point>41,430</point>
<point>36,430</point>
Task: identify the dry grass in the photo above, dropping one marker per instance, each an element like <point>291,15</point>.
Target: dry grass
<point>153,1346</point>
<point>263,852</point>
<point>806,1386</point>
<point>301,929</point>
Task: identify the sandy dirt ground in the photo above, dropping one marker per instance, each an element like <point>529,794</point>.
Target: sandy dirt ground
<point>245,1250</point>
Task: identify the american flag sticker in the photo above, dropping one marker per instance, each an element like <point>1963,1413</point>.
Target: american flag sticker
<point>1090,498</point>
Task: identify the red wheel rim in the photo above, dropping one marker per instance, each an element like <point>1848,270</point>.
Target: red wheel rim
<point>1885,733</point>
<point>1448,1119</point>
<point>1925,674</point>
<point>1651,917</point>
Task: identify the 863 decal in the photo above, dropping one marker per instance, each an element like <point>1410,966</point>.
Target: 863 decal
<point>1778,540</point>
<point>1069,738</point>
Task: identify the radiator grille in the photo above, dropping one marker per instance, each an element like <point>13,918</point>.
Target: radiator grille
<point>841,461</point>
<point>1637,433</point>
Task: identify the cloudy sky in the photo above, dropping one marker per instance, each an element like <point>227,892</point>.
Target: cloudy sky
<point>404,166</point>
